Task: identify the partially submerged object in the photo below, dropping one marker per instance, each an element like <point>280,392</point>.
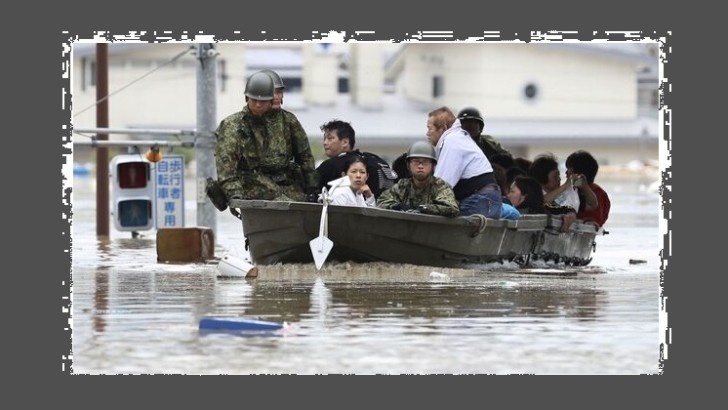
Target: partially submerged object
<point>282,232</point>
<point>237,324</point>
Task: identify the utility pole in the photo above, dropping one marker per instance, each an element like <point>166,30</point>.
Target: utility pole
<point>102,153</point>
<point>205,138</point>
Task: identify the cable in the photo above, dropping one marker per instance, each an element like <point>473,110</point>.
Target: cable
<point>173,59</point>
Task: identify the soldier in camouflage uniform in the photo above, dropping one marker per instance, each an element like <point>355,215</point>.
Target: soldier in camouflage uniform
<point>422,192</point>
<point>473,123</point>
<point>295,132</point>
<point>262,153</point>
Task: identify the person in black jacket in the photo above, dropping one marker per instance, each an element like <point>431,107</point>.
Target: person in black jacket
<point>339,146</point>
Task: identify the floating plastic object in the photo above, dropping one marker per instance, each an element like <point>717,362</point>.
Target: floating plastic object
<point>237,323</point>
<point>81,169</point>
<point>231,266</point>
<point>439,276</point>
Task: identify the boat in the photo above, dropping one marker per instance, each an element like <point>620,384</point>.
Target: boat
<point>283,232</point>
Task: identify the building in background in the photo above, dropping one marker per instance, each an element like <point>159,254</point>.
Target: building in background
<point>536,97</point>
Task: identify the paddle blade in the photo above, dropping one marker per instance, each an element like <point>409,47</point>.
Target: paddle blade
<point>320,248</point>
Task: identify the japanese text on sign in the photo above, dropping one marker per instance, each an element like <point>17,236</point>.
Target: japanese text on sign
<point>169,187</point>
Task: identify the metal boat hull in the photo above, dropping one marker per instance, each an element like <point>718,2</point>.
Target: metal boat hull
<point>279,232</point>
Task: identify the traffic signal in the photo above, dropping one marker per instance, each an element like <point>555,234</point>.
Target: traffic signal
<point>132,193</point>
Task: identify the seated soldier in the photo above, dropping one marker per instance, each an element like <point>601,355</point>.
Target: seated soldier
<point>472,122</point>
<point>422,192</point>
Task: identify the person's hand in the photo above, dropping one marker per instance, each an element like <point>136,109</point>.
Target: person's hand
<point>577,180</point>
<point>422,209</point>
<point>567,220</point>
<point>312,195</point>
<point>365,190</point>
<point>402,207</point>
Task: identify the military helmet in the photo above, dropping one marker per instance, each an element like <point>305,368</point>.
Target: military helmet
<point>260,87</point>
<point>422,149</point>
<point>277,80</point>
<point>471,113</point>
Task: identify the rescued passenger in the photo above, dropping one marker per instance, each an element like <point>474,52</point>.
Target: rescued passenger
<point>526,195</point>
<point>352,189</point>
<point>339,145</point>
<point>560,198</point>
<point>583,163</point>
<point>463,165</point>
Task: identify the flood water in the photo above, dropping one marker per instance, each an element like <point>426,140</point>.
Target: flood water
<point>133,315</point>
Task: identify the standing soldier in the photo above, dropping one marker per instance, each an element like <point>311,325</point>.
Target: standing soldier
<point>288,124</point>
<point>259,154</point>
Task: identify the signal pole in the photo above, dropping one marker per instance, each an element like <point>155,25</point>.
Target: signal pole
<point>205,138</point>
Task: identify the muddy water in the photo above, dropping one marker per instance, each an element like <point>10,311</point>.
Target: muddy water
<point>132,315</point>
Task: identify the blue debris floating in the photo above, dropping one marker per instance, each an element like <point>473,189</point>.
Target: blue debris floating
<point>237,324</point>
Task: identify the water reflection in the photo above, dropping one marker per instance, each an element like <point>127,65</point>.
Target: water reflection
<point>335,301</point>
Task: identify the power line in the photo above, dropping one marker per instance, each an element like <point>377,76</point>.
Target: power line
<point>173,59</point>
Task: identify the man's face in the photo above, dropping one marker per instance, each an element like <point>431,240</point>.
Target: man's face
<point>420,168</point>
<point>334,146</point>
<point>278,98</point>
<point>259,107</point>
<point>471,126</point>
<point>433,133</point>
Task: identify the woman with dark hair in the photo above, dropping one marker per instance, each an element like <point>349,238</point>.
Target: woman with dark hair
<point>526,195</point>
<point>352,189</point>
<point>545,169</point>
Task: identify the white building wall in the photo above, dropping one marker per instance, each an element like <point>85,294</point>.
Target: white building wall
<point>320,75</point>
<point>143,97</point>
<point>366,77</point>
<point>493,77</point>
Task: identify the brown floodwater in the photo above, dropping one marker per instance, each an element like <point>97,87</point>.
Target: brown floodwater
<point>133,315</point>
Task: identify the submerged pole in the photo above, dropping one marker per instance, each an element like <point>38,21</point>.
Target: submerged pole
<point>205,139</point>
<point>102,153</point>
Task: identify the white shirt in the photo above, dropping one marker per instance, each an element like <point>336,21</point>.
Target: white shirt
<point>458,156</point>
<point>342,194</point>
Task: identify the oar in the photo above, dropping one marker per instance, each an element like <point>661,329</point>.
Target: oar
<point>321,245</point>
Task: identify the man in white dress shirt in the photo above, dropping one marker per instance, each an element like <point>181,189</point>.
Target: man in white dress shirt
<point>463,165</point>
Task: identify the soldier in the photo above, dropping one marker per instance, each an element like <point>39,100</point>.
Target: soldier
<point>293,129</point>
<point>473,123</point>
<point>259,153</point>
<point>279,87</point>
<point>422,192</point>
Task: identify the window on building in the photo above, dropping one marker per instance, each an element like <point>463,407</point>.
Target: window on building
<point>438,86</point>
<point>92,74</point>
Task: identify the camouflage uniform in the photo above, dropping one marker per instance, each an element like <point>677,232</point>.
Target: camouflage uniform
<point>437,196</point>
<point>490,146</point>
<point>266,157</point>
